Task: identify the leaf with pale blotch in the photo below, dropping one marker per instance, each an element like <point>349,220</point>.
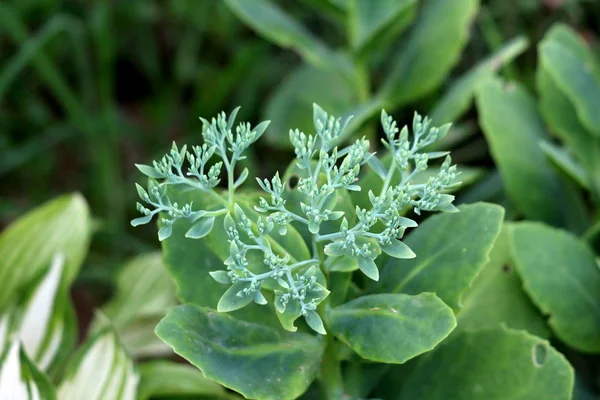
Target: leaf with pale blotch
<point>561,276</point>
<point>497,296</point>
<point>101,368</point>
<point>451,249</point>
<point>20,379</point>
<point>498,364</point>
<point>392,328</point>
<point>257,361</point>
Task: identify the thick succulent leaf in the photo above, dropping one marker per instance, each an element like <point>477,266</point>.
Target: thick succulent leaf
<point>491,364</point>
<point>276,25</point>
<point>561,276</point>
<point>257,361</point>
<point>367,19</point>
<point>166,378</point>
<point>576,80</point>
<point>290,105</point>
<point>61,225</point>
<point>101,369</point>
<point>451,249</point>
<point>513,129</point>
<point>392,328</point>
<point>20,379</point>
<point>143,295</point>
<point>431,50</point>
<point>459,97</point>
<point>497,297</point>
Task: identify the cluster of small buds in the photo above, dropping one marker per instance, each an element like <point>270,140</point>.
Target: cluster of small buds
<point>304,147</point>
<point>275,188</point>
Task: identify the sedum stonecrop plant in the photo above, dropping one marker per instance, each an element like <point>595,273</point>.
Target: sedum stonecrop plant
<point>328,169</point>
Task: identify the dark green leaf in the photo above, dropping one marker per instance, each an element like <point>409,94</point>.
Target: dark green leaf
<point>566,162</point>
<point>561,276</point>
<point>451,249</point>
<point>392,328</point>
<point>258,362</point>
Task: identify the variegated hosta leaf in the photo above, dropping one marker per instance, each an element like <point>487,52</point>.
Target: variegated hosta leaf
<point>144,294</point>
<point>20,379</point>
<point>101,370</point>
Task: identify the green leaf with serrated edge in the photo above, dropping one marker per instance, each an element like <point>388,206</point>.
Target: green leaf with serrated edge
<point>252,359</point>
<point>576,80</point>
<point>101,368</point>
<point>451,249</point>
<point>392,328</point>
<point>270,21</point>
<point>431,50</point>
<point>167,378</point>
<point>288,110</point>
<point>561,276</point>
<point>20,378</point>
<point>367,19</point>
<point>513,129</point>
<point>201,228</point>
<point>459,97</point>
<point>61,225</point>
<point>496,363</point>
<point>497,297</point>
<point>561,157</point>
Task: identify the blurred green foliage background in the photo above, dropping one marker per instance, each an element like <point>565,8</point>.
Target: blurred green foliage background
<point>88,88</point>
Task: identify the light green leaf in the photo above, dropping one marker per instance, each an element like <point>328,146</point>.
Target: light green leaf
<point>459,97</point>
<point>270,21</point>
<point>20,379</point>
<point>398,249</point>
<point>165,378</point>
<point>392,328</point>
<point>234,299</point>
<point>368,267</point>
<point>200,228</point>
<point>491,364</point>
<point>367,19</point>
<point>101,369</point>
<point>451,249</point>
<point>290,105</point>
<point>562,278</point>
<point>566,162</point>
<point>61,225</point>
<point>257,361</point>
<point>513,130</point>
<point>431,50</point>
<point>497,297</point>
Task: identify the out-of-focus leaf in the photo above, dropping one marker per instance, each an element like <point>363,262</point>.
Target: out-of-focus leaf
<point>165,378</point>
<point>497,297</point>
<point>459,97</point>
<point>431,50</point>
<point>566,162</point>
<point>513,129</point>
<point>487,364</point>
<point>255,360</point>
<point>291,105</point>
<point>451,249</point>
<point>20,379</point>
<point>101,369</point>
<point>561,276</point>
<point>276,25</point>
<point>28,245</point>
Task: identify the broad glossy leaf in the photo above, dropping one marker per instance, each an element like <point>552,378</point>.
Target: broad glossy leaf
<point>392,328</point>
<point>451,249</point>
<point>513,129</point>
<point>431,50</point>
<point>562,278</point>
<point>101,369</point>
<point>290,105</point>
<point>20,379</point>
<point>459,97</point>
<point>257,361</point>
<point>366,19</point>
<point>276,25</point>
<point>491,364</point>
<point>166,378</point>
<point>28,245</point>
<point>497,297</point>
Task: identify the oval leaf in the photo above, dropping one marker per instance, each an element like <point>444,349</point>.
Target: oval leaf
<point>200,228</point>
